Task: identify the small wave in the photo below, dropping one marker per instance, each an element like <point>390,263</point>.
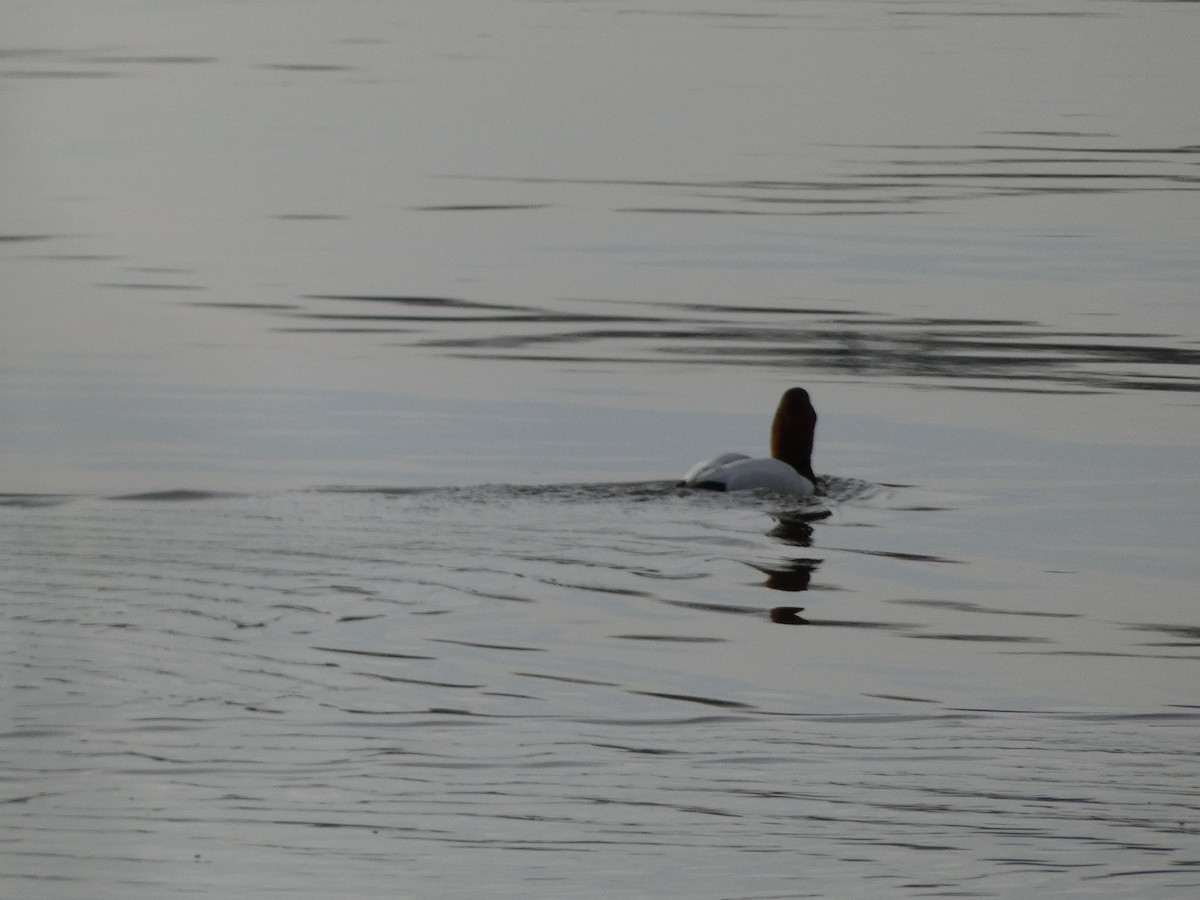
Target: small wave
<point>35,500</point>
<point>179,496</point>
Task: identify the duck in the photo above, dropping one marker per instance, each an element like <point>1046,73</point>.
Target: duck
<point>788,470</point>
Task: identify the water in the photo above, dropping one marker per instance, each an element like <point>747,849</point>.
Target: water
<point>577,691</point>
<point>350,352</point>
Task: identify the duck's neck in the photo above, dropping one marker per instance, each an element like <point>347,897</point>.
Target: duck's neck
<point>792,432</point>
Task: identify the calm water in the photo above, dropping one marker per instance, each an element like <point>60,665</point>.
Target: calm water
<point>349,352</point>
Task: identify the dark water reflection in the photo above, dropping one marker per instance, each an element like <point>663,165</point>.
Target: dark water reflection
<point>923,178</point>
<point>990,354</point>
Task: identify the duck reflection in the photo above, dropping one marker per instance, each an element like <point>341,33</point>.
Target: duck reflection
<point>793,575</point>
<point>795,528</point>
<point>789,575</point>
<point>788,615</point>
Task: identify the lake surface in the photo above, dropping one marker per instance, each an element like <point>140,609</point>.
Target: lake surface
<point>350,352</point>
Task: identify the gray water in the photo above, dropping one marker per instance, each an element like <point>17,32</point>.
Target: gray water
<point>349,355</point>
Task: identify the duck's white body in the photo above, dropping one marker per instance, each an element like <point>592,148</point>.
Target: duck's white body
<point>738,472</point>
<point>788,470</point>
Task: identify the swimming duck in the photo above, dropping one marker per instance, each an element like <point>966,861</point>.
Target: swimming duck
<point>789,468</point>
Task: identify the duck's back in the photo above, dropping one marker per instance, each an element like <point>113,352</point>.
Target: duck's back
<point>737,472</point>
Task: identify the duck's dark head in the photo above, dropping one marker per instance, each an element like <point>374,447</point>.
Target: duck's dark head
<point>793,430</point>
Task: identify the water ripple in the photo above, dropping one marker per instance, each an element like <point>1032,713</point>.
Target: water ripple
<point>1011,355</point>
<point>340,671</point>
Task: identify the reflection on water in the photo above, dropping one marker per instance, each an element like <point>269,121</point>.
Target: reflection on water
<point>788,615</point>
<point>916,178</point>
<point>994,354</point>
